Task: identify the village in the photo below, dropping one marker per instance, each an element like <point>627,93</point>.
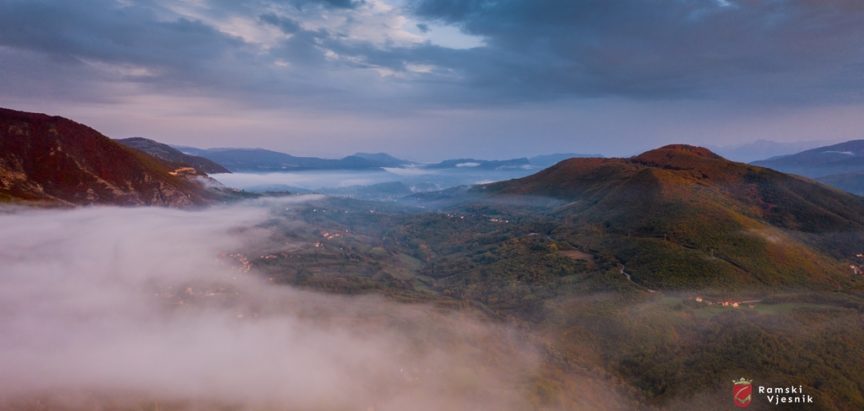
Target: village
<point>725,303</point>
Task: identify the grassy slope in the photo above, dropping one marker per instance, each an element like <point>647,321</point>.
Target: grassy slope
<point>681,217</point>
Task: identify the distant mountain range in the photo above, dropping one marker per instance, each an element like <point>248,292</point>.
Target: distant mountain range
<point>55,161</point>
<point>535,162</point>
<point>261,160</point>
<point>761,149</point>
<point>840,165</point>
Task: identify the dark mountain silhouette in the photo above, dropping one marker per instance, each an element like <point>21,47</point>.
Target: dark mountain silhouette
<point>172,156</point>
<point>53,160</point>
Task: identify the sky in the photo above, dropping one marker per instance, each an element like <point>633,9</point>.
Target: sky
<point>434,79</point>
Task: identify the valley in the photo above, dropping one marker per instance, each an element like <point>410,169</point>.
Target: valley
<point>431,205</point>
<point>645,282</point>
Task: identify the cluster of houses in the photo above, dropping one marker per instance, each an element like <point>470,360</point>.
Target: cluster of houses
<point>856,269</point>
<point>330,236</point>
<point>184,171</point>
<point>726,303</point>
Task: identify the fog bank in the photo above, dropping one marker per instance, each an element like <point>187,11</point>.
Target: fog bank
<point>144,306</point>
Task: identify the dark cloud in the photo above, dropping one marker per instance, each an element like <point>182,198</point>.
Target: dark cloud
<point>285,24</point>
<point>791,49</point>
<point>107,32</point>
<point>782,51</point>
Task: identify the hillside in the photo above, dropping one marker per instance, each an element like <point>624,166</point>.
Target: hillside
<point>172,156</point>
<point>851,182</point>
<point>843,158</point>
<point>682,216</point>
<point>52,160</point>
<point>659,325</point>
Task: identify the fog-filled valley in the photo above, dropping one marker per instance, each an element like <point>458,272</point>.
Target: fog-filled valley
<point>329,303</point>
<point>431,205</point>
<point>151,308</point>
<point>390,183</point>
<point>133,280</point>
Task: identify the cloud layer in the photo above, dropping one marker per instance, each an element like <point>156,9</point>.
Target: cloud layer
<point>479,50</point>
<point>309,75</point>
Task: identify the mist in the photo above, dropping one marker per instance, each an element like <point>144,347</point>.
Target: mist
<point>134,307</point>
<point>416,179</point>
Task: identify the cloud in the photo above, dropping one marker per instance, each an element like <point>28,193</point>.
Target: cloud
<point>369,74</point>
<point>126,307</point>
<point>339,52</point>
<point>660,49</point>
<point>309,180</point>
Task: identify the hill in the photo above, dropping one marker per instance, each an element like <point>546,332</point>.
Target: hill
<point>824,161</point>
<point>762,149</point>
<point>682,216</point>
<point>172,156</point>
<point>52,160</point>
<point>851,182</point>
<point>261,160</point>
<point>839,165</point>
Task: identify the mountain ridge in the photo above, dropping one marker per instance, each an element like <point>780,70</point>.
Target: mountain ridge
<point>53,160</point>
<point>171,155</point>
<point>840,165</point>
<point>682,209</point>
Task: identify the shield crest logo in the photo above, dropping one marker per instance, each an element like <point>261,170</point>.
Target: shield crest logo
<point>742,393</point>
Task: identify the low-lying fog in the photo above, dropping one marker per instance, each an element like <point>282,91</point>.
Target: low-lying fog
<point>414,179</point>
<point>132,306</point>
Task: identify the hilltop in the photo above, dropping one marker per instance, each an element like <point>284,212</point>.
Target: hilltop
<point>682,216</point>
<point>53,160</point>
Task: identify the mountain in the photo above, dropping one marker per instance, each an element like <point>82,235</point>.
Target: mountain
<point>682,216</point>
<point>261,160</point>
<point>839,165</point>
<point>761,149</point>
<point>481,164</point>
<point>535,162</point>
<point>824,161</point>
<point>378,159</point>
<point>171,155</point>
<point>52,160</point>
<point>546,160</point>
<point>851,182</point>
